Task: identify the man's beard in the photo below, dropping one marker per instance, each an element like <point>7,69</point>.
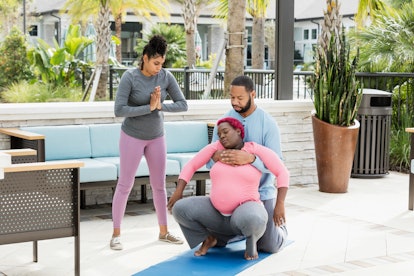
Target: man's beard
<point>246,107</point>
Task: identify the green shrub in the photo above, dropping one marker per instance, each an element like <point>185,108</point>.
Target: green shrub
<point>209,63</point>
<point>60,66</point>
<point>399,150</point>
<point>402,117</point>
<point>14,65</point>
<point>24,92</point>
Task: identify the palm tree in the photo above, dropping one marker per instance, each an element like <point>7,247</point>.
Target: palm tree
<point>398,3</point>
<point>141,8</point>
<point>368,8</point>
<point>257,9</point>
<point>191,10</point>
<point>386,45</point>
<point>100,8</point>
<point>103,45</point>
<point>270,41</point>
<point>83,9</point>
<point>236,42</point>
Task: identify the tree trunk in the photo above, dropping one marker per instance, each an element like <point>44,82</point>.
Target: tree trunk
<point>118,30</point>
<point>270,42</point>
<point>190,47</point>
<point>236,42</point>
<point>258,43</point>
<point>190,24</point>
<point>103,45</point>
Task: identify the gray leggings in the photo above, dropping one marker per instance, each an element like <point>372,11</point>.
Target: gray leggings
<point>198,219</point>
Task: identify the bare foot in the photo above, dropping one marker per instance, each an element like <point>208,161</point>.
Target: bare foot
<point>207,244</point>
<point>251,249</point>
<point>249,258</point>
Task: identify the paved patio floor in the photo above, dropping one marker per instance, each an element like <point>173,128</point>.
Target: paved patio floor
<point>367,231</point>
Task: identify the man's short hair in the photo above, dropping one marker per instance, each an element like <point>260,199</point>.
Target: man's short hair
<point>245,81</point>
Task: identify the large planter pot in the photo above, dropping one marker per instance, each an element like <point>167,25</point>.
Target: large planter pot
<point>334,150</point>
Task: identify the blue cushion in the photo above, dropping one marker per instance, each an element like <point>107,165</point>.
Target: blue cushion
<point>94,170</point>
<point>64,142</point>
<point>173,166</point>
<point>183,158</point>
<point>185,136</point>
<point>105,139</point>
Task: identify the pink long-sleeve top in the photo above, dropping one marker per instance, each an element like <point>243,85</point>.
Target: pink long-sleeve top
<point>231,186</point>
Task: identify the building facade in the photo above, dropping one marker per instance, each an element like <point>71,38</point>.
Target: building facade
<point>48,23</point>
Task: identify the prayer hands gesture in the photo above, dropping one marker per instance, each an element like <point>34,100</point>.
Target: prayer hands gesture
<point>155,100</point>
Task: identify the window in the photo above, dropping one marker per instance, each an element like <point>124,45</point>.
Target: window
<point>33,30</point>
<point>314,34</point>
<point>305,34</point>
<point>248,53</point>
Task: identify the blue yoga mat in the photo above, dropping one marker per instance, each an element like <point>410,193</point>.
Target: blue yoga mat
<point>227,260</point>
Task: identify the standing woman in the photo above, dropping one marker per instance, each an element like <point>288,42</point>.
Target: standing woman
<point>139,99</point>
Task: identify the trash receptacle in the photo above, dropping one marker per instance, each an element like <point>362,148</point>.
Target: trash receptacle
<point>372,151</point>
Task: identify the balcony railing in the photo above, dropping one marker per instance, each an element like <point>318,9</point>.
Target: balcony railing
<point>194,82</point>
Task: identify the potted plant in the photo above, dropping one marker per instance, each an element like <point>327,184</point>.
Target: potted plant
<point>337,96</point>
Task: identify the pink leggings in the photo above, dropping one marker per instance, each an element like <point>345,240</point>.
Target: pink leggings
<point>131,151</point>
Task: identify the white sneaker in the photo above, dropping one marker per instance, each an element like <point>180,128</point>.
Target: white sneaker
<point>115,243</point>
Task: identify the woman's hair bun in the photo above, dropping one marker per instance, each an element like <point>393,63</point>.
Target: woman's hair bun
<point>159,44</point>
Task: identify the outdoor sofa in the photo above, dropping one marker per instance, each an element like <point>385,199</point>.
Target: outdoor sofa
<point>97,147</point>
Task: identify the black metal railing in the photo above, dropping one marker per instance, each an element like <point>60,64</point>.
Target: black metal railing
<point>194,82</point>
